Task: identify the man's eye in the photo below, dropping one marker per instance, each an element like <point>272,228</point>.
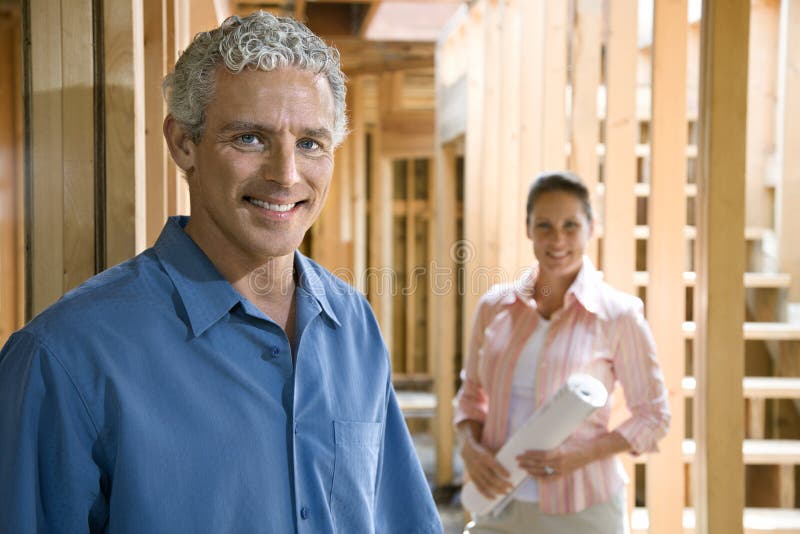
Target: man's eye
<point>248,139</point>
<point>308,144</point>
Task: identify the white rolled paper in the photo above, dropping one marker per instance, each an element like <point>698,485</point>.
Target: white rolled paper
<point>545,429</point>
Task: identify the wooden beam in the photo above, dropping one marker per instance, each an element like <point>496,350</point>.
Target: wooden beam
<point>511,209</point>
<point>719,346</point>
<point>555,82</point>
<point>125,140</point>
<point>156,66</point>
<point>358,170</point>
<point>667,214</point>
<point>585,81</point>
<point>619,247</point>
<point>788,188</point>
<point>300,10</point>
<point>466,250</point>
<point>44,173</point>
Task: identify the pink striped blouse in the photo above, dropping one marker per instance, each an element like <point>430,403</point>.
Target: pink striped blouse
<point>600,331</point>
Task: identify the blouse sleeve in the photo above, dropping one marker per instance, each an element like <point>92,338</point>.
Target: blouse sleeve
<point>472,401</point>
<point>639,374</point>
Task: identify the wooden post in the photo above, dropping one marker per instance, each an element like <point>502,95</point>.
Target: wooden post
<point>358,170</point>
<point>585,80</point>
<point>474,138</point>
<point>619,245</point>
<point>719,293</point>
<point>125,140</point>
<point>11,141</point>
<point>665,291</point>
<point>531,113</point>
<point>788,189</point>
<point>156,65</point>
<point>555,82</point>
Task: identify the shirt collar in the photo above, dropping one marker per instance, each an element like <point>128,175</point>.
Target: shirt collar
<point>206,295</point>
<point>309,281</point>
<point>585,288</point>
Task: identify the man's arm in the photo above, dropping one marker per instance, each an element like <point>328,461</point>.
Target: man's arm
<point>403,500</point>
<point>48,478</point>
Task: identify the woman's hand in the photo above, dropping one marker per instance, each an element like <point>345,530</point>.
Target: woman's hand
<point>488,474</point>
<point>571,455</point>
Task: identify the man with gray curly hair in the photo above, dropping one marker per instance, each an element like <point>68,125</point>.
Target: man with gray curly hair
<point>219,381</point>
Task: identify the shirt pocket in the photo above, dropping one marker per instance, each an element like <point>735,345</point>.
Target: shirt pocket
<point>355,471</point>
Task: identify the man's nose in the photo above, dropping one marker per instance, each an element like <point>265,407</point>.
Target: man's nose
<point>282,167</point>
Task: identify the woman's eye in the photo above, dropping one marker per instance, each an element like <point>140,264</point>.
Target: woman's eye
<point>308,144</point>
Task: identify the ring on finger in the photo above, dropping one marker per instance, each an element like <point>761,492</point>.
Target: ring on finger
<point>548,470</point>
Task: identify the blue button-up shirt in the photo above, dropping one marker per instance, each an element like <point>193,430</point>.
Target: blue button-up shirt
<point>155,398</point>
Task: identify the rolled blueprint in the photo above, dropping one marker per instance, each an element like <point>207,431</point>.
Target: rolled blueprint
<point>545,429</point>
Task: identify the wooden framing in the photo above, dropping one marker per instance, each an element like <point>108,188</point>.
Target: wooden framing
<point>665,258</point>
<point>11,184</point>
<point>585,81</point>
<point>358,171</point>
<point>719,345</point>
<point>788,190</point>
<point>619,248</point>
<point>125,140</point>
<point>555,73</point>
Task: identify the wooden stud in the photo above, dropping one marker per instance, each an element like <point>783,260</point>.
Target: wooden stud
<point>156,59</point>
<point>788,189</point>
<point>45,207</point>
<point>585,81</point>
<point>619,247</point>
<point>466,250</point>
<point>411,263</point>
<point>125,140</point>
<point>532,129</point>
<point>555,82</point>
<point>359,173</point>
<point>719,345</point>
<point>665,260</point>
<point>511,210</point>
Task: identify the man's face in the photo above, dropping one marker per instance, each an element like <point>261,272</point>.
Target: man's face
<point>260,173</point>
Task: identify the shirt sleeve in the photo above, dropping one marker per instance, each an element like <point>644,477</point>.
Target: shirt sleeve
<point>638,372</point>
<point>48,479</point>
<point>472,402</point>
<point>403,500</point>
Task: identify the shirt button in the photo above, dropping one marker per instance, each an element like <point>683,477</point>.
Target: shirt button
<point>275,350</point>
<point>303,513</point>
<point>295,428</point>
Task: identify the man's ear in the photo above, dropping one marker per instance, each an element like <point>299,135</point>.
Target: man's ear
<point>180,144</point>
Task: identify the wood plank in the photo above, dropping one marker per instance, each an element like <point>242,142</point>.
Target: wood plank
<point>511,212</point>
<point>411,263</point>
<point>451,110</point>
<point>358,170</point>
<point>465,250</point>
<point>44,175</point>
<point>555,82</point>
<point>619,248</point>
<point>488,243</point>
<point>156,66</point>
<point>585,38</point>
<point>757,387</point>
<point>754,331</point>
<point>761,116</point>
<point>751,280</point>
<point>788,190</point>
<point>666,299</point>
<point>532,130</point>
<point>719,348</point>
<point>442,307</point>
<point>753,451</point>
<point>11,177</point>
<point>78,143</point>
<point>755,520</point>
<point>125,140</point>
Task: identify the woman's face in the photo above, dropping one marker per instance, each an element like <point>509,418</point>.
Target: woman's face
<point>560,230</point>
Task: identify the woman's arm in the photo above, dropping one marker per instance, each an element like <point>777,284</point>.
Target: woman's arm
<point>488,474</point>
<point>572,454</point>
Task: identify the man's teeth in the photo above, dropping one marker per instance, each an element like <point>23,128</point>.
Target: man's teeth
<point>271,207</point>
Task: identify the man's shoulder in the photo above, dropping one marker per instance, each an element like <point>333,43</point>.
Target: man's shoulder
<point>338,291</point>
<point>119,292</point>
